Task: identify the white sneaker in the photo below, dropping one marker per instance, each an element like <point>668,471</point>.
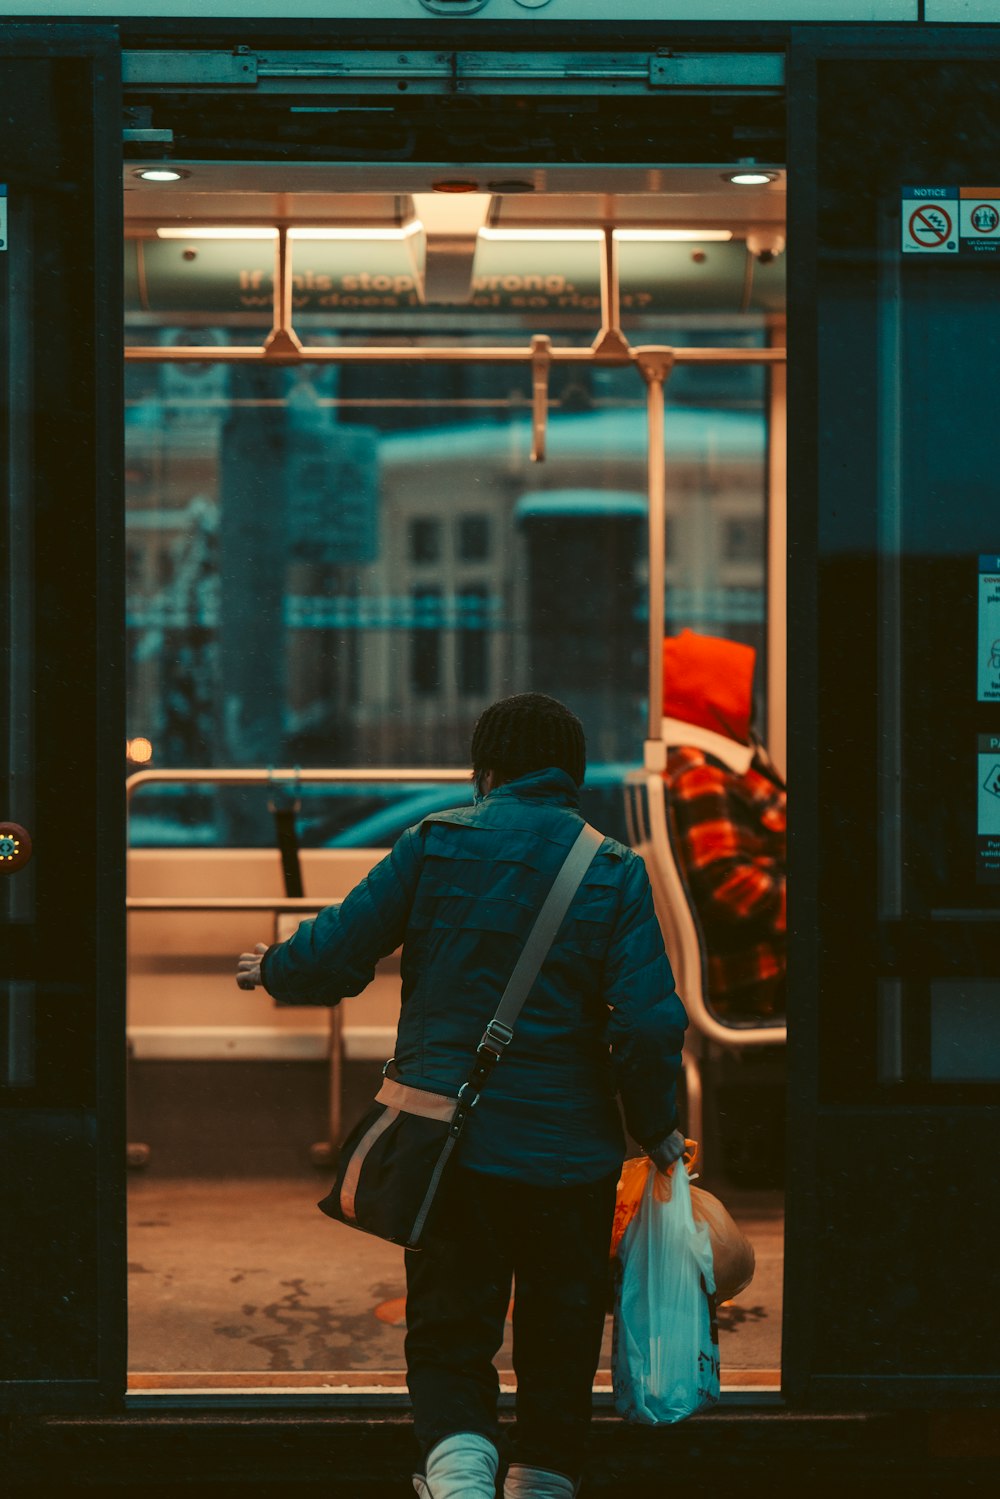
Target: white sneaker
<point>523,1482</point>
<point>463,1466</point>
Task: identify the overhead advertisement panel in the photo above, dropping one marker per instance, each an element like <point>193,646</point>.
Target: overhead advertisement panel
<point>503,10</point>
<point>222,277</point>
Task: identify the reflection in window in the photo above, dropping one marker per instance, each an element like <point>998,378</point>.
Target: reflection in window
<point>743,538</point>
<point>473,642</point>
<point>425,539</point>
<point>473,538</point>
<point>425,642</point>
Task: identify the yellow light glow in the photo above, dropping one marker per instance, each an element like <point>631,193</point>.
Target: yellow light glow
<point>671,236</point>
<point>553,236</point>
<point>406,231</point>
<point>231,231</point>
<point>449,213</point>
<point>139,751</point>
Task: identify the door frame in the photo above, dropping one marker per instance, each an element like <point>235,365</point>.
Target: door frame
<point>90,547</point>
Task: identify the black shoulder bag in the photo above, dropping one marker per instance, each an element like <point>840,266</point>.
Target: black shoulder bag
<point>392,1163</point>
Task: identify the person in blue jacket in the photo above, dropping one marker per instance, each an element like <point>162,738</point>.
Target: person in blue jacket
<point>531,1196</point>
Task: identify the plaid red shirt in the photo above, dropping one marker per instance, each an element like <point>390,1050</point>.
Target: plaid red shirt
<point>731,843</point>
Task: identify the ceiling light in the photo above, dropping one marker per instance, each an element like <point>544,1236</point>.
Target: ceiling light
<point>671,236</point>
<point>461,214</point>
<point>223,231</point>
<point>750,178</point>
<point>404,232</point>
<point>551,235</point>
<point>160,174</point>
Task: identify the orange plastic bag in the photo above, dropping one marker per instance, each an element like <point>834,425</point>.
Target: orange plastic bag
<point>631,1185</point>
<point>732,1253</point>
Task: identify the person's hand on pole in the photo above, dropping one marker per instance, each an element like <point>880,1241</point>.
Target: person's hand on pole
<point>248,967</point>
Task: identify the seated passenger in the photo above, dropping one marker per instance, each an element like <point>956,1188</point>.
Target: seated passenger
<point>728,807</point>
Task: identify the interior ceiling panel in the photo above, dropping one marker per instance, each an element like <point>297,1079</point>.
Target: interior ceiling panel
<point>265,193</point>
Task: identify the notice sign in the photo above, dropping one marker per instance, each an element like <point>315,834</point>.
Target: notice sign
<point>989,629</point>
<point>930,220</point>
<point>951,220</point>
<point>3,215</point>
<point>988,816</point>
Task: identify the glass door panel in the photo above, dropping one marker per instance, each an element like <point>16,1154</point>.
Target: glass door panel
<point>894,907</point>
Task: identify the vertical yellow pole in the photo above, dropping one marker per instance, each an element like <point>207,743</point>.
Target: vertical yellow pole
<point>655,365</point>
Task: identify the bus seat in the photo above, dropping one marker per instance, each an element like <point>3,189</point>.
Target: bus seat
<point>183,1003</point>
<point>651,835</point>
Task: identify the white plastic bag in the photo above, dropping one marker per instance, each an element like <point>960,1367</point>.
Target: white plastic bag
<point>665,1350</point>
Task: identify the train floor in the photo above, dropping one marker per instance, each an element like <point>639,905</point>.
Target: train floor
<point>243,1283</point>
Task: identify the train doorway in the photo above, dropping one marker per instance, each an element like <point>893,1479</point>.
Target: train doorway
<point>892,133</point>
<point>400,442</point>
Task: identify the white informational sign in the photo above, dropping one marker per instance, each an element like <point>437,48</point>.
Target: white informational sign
<point>930,220</point>
<point>989,629</point>
<point>979,218</point>
<point>950,220</point>
<point>3,215</point>
<point>988,812</point>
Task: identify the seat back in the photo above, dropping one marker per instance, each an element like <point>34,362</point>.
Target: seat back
<point>651,835</point>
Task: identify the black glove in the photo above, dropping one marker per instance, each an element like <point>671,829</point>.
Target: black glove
<point>667,1152</point>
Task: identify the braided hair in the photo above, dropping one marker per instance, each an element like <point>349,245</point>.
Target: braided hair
<point>527,732</point>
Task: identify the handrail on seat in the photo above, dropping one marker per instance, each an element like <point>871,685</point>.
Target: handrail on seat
<point>339,776</point>
<point>650,834</point>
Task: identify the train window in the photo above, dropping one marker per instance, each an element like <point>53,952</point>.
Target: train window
<point>289,518</point>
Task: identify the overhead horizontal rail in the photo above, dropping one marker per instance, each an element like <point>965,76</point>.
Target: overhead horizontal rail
<point>295,776</point>
<point>445,354</point>
<point>455,72</point>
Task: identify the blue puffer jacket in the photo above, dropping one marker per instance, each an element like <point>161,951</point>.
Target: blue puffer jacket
<point>460,891</point>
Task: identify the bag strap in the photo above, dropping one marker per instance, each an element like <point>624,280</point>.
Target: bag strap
<point>500,1030</point>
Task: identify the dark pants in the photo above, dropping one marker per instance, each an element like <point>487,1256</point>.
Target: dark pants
<point>553,1241</point>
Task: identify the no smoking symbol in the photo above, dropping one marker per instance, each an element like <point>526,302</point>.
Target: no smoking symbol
<point>930,226</point>
<point>984,218</point>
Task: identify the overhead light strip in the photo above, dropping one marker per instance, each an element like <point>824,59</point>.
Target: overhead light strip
<point>405,232</point>
<point>265,232</point>
<point>552,236</point>
<point>510,236</point>
<point>671,236</point>
<point>231,231</point>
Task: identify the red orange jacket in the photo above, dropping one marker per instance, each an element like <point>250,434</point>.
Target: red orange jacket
<point>731,836</point>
